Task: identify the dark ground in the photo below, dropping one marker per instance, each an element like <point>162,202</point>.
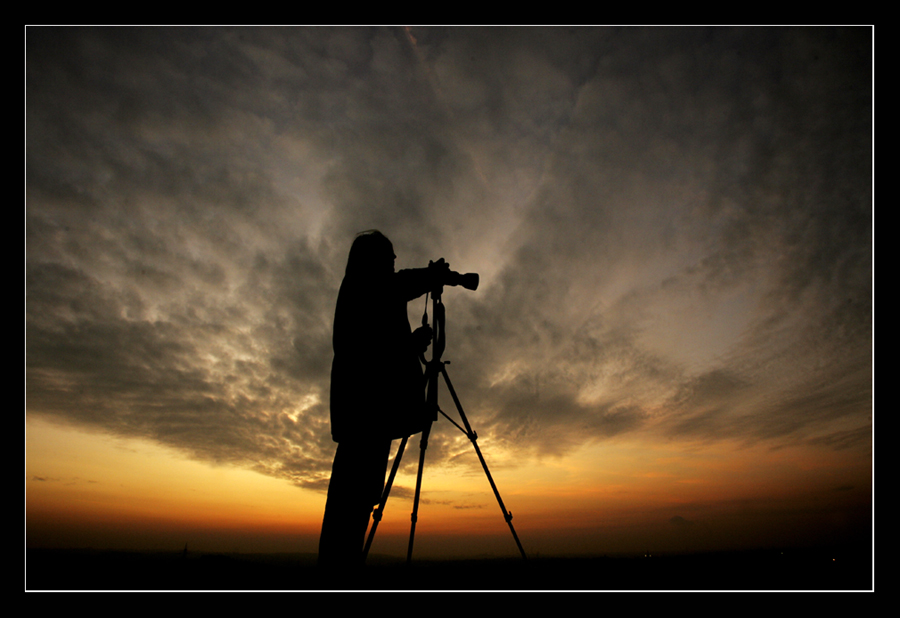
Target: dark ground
<point>831,569</point>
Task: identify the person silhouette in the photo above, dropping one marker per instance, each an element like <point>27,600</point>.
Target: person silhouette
<point>377,387</point>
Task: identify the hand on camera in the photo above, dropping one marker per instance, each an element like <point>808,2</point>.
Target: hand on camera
<point>422,338</point>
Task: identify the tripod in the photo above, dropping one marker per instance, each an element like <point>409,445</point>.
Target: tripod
<point>433,369</point>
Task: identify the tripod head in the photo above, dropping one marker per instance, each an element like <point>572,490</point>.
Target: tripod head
<point>441,276</point>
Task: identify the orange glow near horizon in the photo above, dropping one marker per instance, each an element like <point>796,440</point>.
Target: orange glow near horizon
<point>85,478</point>
<point>94,490</point>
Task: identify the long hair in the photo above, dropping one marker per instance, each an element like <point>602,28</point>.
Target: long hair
<point>366,253</point>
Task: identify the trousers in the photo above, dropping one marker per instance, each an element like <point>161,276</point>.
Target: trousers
<point>357,481</point>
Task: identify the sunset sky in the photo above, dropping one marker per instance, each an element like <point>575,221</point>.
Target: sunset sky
<point>670,349</point>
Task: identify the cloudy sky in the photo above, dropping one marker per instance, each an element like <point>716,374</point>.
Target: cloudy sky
<point>673,229</point>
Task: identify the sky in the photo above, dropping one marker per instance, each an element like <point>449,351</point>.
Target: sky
<point>670,348</point>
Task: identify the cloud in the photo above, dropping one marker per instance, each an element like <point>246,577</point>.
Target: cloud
<point>672,226</point>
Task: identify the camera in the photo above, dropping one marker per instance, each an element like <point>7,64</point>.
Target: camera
<point>445,276</point>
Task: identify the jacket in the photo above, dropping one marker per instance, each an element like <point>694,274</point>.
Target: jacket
<point>377,384</point>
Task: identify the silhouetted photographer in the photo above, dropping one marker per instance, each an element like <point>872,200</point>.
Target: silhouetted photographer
<point>377,385</point>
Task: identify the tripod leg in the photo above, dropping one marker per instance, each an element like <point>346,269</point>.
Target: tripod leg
<point>507,515</point>
<point>376,515</point>
<point>423,445</point>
